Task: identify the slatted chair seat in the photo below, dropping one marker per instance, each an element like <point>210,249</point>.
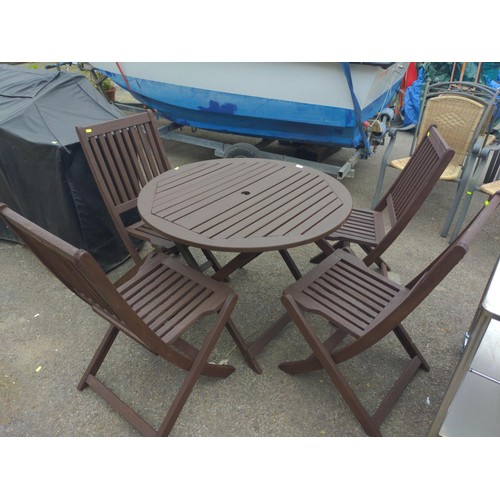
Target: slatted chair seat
<point>169,297</point>
<point>364,307</point>
<point>398,206</point>
<point>154,303</point>
<point>364,227</point>
<point>347,293</point>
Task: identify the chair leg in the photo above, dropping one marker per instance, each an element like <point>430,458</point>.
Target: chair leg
<point>197,367</point>
<point>324,357</point>
<point>99,356</point>
<point>243,346</point>
<point>453,208</point>
<point>219,371</point>
<point>410,347</point>
<point>379,262</point>
<point>312,363</point>
<point>472,164</point>
<point>383,167</point>
<point>461,216</point>
<point>200,365</point>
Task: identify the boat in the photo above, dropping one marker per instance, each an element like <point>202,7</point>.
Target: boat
<point>303,102</point>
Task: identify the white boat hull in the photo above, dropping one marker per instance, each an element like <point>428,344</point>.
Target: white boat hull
<point>306,102</point>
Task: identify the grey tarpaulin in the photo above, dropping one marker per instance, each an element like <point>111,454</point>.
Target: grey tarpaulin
<point>43,173</point>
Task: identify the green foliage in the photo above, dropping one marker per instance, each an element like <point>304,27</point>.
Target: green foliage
<point>99,80</point>
<point>107,84</point>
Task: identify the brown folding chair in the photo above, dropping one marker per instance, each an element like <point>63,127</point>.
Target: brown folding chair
<point>401,202</point>
<point>366,306</point>
<point>123,155</point>
<point>155,303</point>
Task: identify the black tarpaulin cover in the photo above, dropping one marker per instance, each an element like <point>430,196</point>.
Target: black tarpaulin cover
<point>43,173</point>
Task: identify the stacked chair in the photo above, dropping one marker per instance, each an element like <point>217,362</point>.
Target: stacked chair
<point>486,181</point>
<point>464,114</point>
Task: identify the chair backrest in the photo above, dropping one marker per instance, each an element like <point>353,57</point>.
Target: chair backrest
<point>483,94</point>
<point>491,182</point>
<point>420,287</point>
<point>80,272</point>
<point>410,189</point>
<point>493,171</point>
<point>458,119</point>
<point>468,110</point>
<point>123,154</point>
<point>435,272</point>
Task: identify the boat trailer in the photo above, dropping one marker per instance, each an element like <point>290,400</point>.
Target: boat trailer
<point>309,155</point>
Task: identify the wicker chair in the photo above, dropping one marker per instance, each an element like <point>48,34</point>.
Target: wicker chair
<point>463,114</point>
<point>485,180</point>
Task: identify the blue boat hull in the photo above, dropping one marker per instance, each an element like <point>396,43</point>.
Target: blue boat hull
<point>254,116</point>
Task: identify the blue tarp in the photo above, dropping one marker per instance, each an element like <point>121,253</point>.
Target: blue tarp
<point>492,83</point>
<point>411,104</point>
<point>436,72</point>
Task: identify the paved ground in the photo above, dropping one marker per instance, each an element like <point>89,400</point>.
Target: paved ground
<point>48,337</point>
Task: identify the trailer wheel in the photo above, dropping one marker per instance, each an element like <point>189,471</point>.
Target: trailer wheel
<point>241,150</point>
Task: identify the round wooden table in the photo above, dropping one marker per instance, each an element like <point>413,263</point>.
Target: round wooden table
<point>247,206</point>
<point>244,204</point>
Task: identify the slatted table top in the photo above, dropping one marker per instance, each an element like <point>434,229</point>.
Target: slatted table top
<point>244,204</point>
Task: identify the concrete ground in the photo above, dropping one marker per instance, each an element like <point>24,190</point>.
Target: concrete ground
<point>48,337</point>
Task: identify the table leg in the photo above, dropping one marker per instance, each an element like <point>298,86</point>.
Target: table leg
<point>239,261</point>
<point>188,257</point>
<point>244,347</point>
<point>257,345</point>
<point>326,249</point>
<point>191,261</point>
<point>251,349</point>
<point>291,264</point>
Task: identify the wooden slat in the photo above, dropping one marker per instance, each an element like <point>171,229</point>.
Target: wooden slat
<point>245,208</point>
<point>244,204</point>
<point>210,189</point>
<point>185,315</point>
<point>268,210</point>
<point>166,305</point>
<point>153,286</point>
<point>359,226</point>
<point>128,161</point>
